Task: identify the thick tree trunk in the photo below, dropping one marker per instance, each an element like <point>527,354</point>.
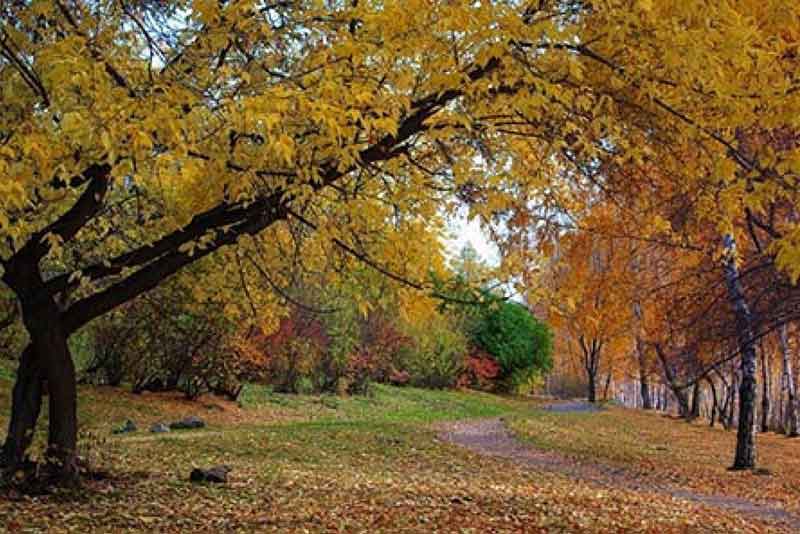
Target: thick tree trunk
<point>644,392</point>
<point>47,358</point>
<point>790,421</point>
<point>62,438</point>
<point>745,457</point>
<point>26,405</point>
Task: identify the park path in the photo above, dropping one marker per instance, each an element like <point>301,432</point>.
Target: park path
<point>491,437</point>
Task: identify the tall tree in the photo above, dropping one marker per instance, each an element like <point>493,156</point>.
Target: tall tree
<point>787,381</point>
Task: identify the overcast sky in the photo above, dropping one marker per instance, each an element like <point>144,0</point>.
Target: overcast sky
<point>463,231</point>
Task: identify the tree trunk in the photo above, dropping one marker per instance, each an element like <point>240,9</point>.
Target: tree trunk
<point>47,358</point>
<point>606,387</point>
<point>677,390</point>
<point>765,400</point>
<point>25,408</point>
<point>644,386</point>
<point>62,440</point>
<point>684,409</point>
<point>790,421</point>
<point>697,399</point>
<point>591,364</point>
<point>730,417</point>
<point>745,457</point>
<point>641,356</point>
<point>592,390</point>
<point>714,401</point>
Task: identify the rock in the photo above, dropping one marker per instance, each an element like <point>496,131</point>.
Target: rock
<point>129,426</point>
<point>217,474</point>
<point>188,422</point>
<point>159,428</point>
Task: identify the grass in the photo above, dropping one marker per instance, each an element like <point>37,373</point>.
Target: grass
<point>329,464</point>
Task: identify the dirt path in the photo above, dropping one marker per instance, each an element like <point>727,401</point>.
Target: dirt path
<point>491,437</point>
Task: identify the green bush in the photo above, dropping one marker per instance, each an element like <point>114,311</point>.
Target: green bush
<point>436,356</point>
<point>516,339</point>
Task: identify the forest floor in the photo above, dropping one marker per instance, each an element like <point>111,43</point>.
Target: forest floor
<point>401,460</point>
<point>492,437</point>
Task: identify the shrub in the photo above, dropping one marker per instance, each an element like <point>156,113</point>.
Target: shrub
<point>480,372</point>
<point>287,358</point>
<point>524,381</point>
<point>382,344</point>
<point>161,342</point>
<point>515,338</point>
<point>436,357</point>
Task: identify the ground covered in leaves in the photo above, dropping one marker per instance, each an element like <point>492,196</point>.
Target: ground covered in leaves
<point>377,464</point>
<point>655,447</point>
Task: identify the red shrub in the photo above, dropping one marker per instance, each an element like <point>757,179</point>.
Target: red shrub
<point>381,344</point>
<point>481,371</point>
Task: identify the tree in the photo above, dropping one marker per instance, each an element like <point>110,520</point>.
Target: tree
<point>790,423</point>
<point>590,299</point>
<point>139,137</point>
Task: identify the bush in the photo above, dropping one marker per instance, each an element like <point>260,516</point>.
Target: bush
<point>524,381</point>
<point>162,342</point>
<point>480,372</point>
<point>515,338</point>
<point>289,358</point>
<point>436,357</point>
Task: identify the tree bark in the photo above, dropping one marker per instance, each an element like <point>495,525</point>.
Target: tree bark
<point>745,457</point>
<point>714,402</point>
<point>26,405</point>
<point>607,386</point>
<point>732,392</point>
<point>790,421</point>
<point>683,403</point>
<point>765,400</point>
<point>678,391</point>
<point>47,358</point>
<point>697,399</point>
<point>641,356</point>
<point>591,364</point>
<point>592,389</point>
<point>644,383</point>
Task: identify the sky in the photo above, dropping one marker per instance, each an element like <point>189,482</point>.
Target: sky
<point>465,231</point>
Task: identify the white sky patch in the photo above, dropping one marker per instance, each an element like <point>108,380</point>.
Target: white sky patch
<point>461,231</point>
